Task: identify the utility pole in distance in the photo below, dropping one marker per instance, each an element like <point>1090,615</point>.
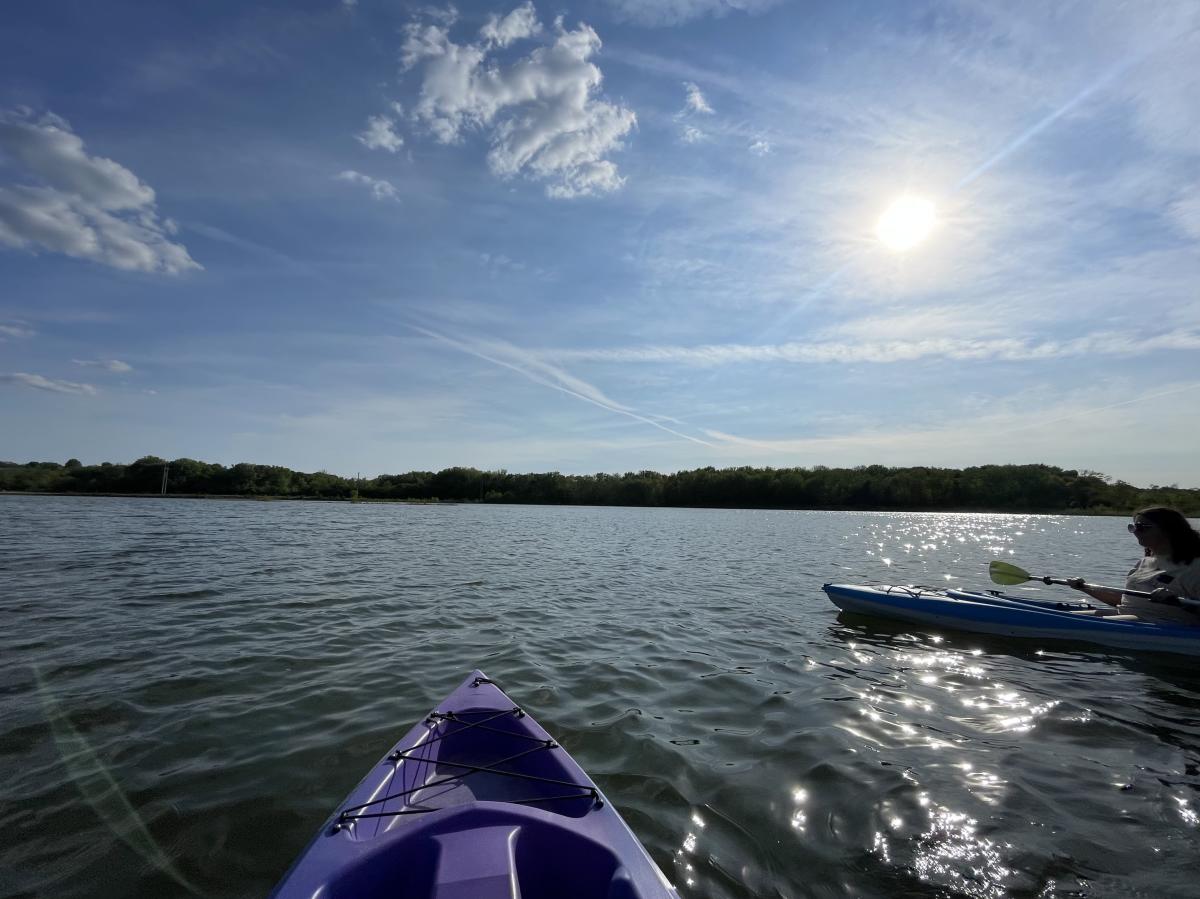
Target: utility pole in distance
<point>166,467</point>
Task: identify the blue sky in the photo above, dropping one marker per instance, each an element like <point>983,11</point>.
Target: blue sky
<point>604,236</point>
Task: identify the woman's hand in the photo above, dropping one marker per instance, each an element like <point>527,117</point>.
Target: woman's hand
<point>1163,595</point>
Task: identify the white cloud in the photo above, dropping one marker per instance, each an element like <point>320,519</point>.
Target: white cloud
<point>695,100</point>
<point>15,330</point>
<point>521,23</point>
<point>380,188</point>
<point>446,15</point>
<point>539,113</point>
<point>920,323</point>
<point>49,149</point>
<point>886,351</point>
<point>113,365</point>
<point>88,207</point>
<point>760,147</point>
<point>380,134</point>
<point>40,383</point>
<point>676,12</point>
<point>694,104</point>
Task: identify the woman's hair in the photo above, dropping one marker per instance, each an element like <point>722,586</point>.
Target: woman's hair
<point>1185,542</point>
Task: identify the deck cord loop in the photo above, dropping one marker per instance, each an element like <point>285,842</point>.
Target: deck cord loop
<point>442,720</point>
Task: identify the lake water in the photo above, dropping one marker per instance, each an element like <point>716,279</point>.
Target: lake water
<point>236,667</point>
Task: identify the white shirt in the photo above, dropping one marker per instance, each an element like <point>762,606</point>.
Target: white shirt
<point>1152,572</point>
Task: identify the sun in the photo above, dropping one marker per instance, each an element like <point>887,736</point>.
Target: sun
<point>906,223</point>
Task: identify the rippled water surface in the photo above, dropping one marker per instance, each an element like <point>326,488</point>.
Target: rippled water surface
<point>216,675</point>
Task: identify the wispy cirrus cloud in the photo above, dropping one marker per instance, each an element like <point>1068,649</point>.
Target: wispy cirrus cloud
<point>541,114</point>
<point>17,331</point>
<point>85,206</point>
<point>38,382</point>
<point>113,365</point>
<point>1185,210</point>
<point>982,103</point>
<point>675,12</point>
<point>1020,428</point>
<point>885,351</point>
<point>540,371</point>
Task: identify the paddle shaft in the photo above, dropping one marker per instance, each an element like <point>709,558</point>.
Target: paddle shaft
<point>1067,583</point>
<point>1008,574</point>
<point>1192,604</point>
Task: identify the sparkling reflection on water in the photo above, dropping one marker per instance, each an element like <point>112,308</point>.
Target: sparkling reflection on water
<point>235,667</point>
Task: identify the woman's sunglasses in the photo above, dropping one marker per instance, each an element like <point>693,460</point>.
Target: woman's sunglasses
<point>1138,526</point>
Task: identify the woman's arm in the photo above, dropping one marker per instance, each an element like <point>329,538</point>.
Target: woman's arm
<point>1112,597</point>
<point>1104,594</point>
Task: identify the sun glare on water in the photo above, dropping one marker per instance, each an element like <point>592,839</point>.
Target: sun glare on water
<point>906,223</point>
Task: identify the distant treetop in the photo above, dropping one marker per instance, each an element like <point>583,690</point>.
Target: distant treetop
<point>996,488</point>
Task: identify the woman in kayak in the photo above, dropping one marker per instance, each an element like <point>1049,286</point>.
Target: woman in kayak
<point>1169,568</point>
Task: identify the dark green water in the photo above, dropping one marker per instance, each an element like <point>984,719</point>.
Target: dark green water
<point>217,675</point>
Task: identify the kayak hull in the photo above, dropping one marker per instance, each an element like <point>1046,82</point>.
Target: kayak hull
<point>477,801</point>
<point>985,613</point>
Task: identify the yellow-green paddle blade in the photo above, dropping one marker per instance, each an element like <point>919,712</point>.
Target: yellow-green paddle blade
<point>1004,573</point>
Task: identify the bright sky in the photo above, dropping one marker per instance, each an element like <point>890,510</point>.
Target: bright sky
<point>602,236</point>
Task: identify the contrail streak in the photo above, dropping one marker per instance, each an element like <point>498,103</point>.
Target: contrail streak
<point>1040,126</point>
<point>538,379</point>
<point>1095,409</point>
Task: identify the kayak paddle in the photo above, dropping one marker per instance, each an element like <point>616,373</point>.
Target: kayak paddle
<point>1008,575</point>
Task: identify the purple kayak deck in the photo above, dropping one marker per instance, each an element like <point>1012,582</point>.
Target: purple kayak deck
<point>476,801</point>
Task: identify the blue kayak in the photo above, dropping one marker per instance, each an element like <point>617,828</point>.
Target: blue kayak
<point>477,801</point>
<point>1013,616</point>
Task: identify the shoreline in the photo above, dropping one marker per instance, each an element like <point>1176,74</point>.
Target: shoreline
<point>234,496</point>
<point>458,502</point>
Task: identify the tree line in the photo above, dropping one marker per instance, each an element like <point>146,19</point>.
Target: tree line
<point>999,488</point>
